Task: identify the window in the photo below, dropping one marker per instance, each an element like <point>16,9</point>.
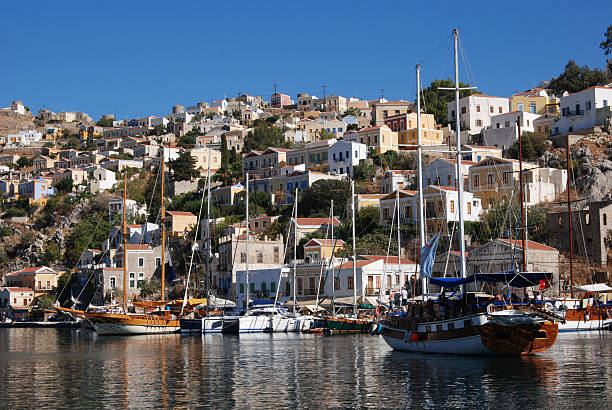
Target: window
<point>469,208</point>
<point>242,257</point>
<point>478,108</point>
<point>48,284</point>
<point>532,108</point>
<point>476,180</point>
<point>520,107</point>
<point>287,288</point>
<point>605,103</point>
<point>490,180</point>
<point>113,282</point>
<point>242,288</point>
<point>492,109</point>
<point>588,105</point>
<point>276,255</point>
<point>264,287</point>
<point>507,124</point>
<point>40,284</point>
<point>157,261</point>
<point>140,262</point>
<point>479,123</point>
<point>605,219</point>
<point>500,110</point>
<point>506,177</point>
<point>452,206</point>
<point>349,283</point>
<point>587,219</point>
<point>251,288</point>
<point>336,283</point>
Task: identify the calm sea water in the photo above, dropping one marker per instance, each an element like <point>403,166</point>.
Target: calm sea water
<point>68,368</point>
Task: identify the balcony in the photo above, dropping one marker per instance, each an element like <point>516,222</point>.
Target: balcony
<point>574,113</point>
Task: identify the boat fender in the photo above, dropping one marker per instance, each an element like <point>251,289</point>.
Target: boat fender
<point>548,306</point>
<point>490,308</point>
<point>414,337</point>
<point>376,311</point>
<point>586,317</point>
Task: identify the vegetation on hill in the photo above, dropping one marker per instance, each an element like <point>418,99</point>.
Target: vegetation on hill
<point>265,135</point>
<point>533,144</point>
<point>575,78</point>
<point>435,101</point>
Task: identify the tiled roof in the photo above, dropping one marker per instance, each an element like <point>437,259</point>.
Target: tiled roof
<point>324,242</point>
<point>137,247</point>
<point>17,289</point>
<point>358,264</point>
<point>316,221</point>
<point>180,213</point>
<point>530,245</point>
<point>388,259</point>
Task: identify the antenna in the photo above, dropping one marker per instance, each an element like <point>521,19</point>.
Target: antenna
<point>275,84</point>
<point>382,93</point>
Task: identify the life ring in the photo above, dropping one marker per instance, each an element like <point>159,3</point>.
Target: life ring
<point>490,308</point>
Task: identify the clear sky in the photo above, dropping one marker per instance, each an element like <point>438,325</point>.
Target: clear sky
<point>140,58</point>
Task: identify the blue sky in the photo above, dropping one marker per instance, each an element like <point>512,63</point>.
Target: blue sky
<point>137,58</point>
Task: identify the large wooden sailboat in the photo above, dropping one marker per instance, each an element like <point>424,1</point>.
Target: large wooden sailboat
<point>154,317</point>
<point>465,325</point>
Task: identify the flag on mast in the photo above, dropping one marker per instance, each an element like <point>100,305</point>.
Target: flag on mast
<point>428,254</point>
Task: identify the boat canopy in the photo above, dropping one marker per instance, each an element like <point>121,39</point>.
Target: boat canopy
<point>596,287</point>
<point>263,302</point>
<point>511,278</point>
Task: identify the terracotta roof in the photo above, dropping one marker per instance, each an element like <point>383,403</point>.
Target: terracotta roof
<point>137,247</point>
<point>482,146</point>
<point>372,196</point>
<point>12,289</point>
<point>463,161</point>
<point>484,96</point>
<point>457,253</point>
<point>375,127</point>
<point>31,269</point>
<point>325,242</point>
<point>180,213</point>
<point>388,259</point>
<point>445,188</point>
<point>316,221</point>
<point>530,245</point>
<point>358,264</point>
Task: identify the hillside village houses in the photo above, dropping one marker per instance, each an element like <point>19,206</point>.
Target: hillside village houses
<point>375,125</point>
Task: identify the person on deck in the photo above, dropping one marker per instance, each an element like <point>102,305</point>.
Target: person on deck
<point>404,296</point>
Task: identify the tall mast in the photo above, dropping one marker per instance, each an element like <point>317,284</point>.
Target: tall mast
<point>208,250</point>
<point>331,259</point>
<point>163,224</point>
<point>125,235</point>
<point>247,241</point>
<point>459,171</point>
<point>420,175</point>
<point>569,215</point>
<point>295,251</point>
<point>522,194</point>
<point>399,238</point>
<point>354,250</point>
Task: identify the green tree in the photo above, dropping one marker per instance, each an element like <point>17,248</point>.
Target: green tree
<point>88,233</point>
<point>51,253</point>
<point>259,203</point>
<point>66,133</point>
<point>188,202</point>
<point>435,101</point>
<point>63,289</point>
<point>64,186</point>
<point>316,200</point>
<point>159,130</point>
<point>326,135</point>
<point>152,194</point>
<point>355,112</point>
<point>533,146</point>
<point>575,78</point>
<point>364,171</point>
<point>23,162</point>
<point>264,135</point>
<point>606,45</point>
<point>46,301</point>
<point>105,122</point>
<point>183,168</point>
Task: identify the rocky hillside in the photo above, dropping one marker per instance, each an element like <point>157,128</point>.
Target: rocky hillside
<point>11,122</point>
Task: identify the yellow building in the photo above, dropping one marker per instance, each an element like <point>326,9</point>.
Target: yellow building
<point>535,102</point>
<point>493,180</point>
<point>322,248</point>
<point>382,110</point>
<point>179,223</point>
<point>226,196</point>
<point>40,279</point>
<point>380,138</point>
<point>406,127</point>
<point>201,155</point>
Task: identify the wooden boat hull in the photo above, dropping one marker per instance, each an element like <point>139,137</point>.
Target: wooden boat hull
<point>479,337</point>
<point>107,324</point>
<point>348,325</point>
<point>583,320</point>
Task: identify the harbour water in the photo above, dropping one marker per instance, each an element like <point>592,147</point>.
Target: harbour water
<point>61,368</point>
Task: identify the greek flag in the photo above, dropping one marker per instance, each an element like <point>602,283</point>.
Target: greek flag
<point>428,254</point>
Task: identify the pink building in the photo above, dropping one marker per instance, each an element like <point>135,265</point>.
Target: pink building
<point>279,100</point>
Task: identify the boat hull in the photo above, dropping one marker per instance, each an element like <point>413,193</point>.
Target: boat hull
<point>478,337</point>
<point>120,324</point>
<point>348,325</point>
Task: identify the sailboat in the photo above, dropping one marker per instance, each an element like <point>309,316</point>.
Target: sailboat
<point>118,320</point>
<point>586,313</point>
<point>464,325</point>
<point>351,323</point>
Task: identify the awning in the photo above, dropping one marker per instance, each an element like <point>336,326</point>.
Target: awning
<point>311,308</point>
<point>597,287</point>
<point>516,279</point>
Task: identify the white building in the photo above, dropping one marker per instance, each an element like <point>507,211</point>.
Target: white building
<point>394,179</point>
<point>132,208</point>
<point>443,172</point>
<point>18,107</point>
<point>344,155</point>
<point>101,180</point>
<point>24,138</point>
<point>170,153</point>
<point>579,110</point>
<point>476,112</point>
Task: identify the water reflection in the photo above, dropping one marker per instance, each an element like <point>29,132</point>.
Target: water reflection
<point>60,368</point>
